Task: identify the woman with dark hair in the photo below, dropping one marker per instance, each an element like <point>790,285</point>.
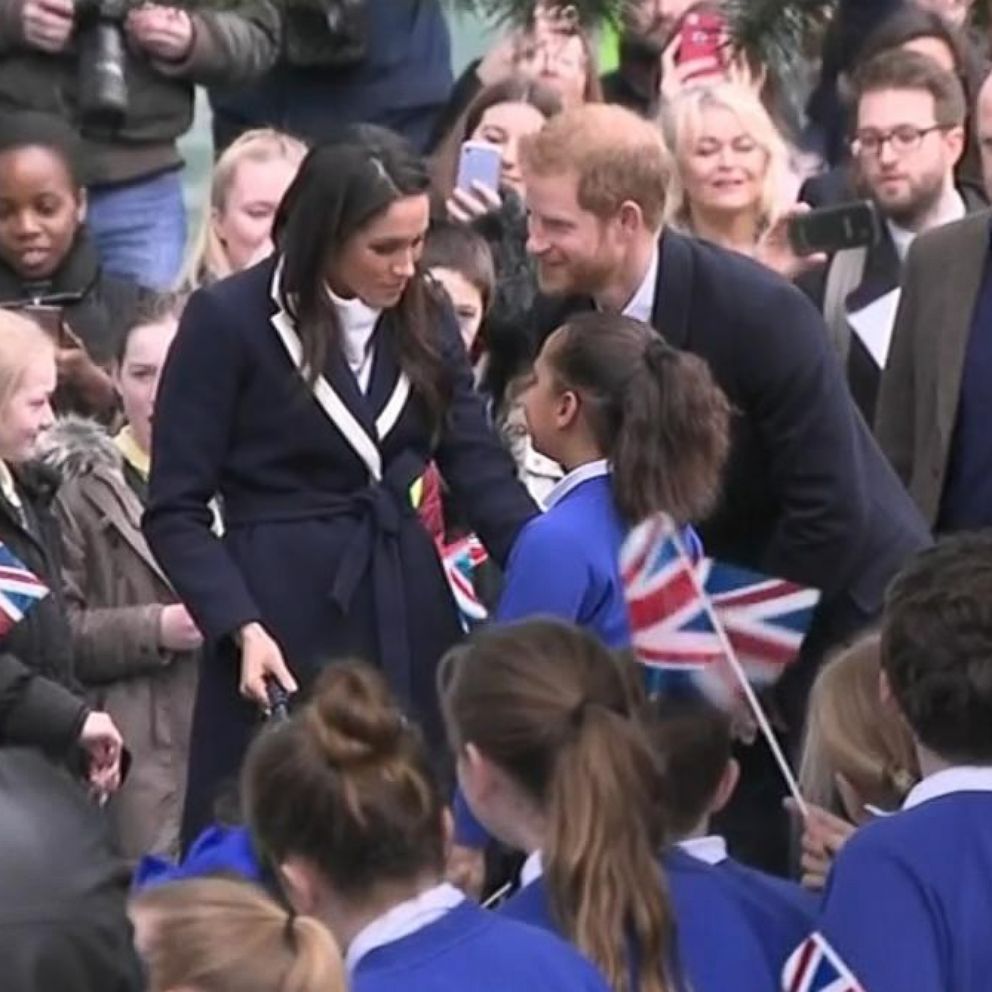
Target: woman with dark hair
<point>309,392</point>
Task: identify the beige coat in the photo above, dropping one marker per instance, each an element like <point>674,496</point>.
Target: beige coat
<point>116,591</point>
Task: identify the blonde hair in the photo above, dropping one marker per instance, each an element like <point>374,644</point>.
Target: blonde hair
<point>849,732</point>
<point>682,122</point>
<point>207,260</point>
<point>21,342</point>
<point>617,155</point>
<point>219,935</point>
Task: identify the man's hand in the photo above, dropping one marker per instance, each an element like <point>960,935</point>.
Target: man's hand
<point>47,24</point>
<point>165,33</point>
<point>103,744</point>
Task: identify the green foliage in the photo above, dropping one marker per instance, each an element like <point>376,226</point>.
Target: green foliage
<point>776,31</point>
<point>520,12</point>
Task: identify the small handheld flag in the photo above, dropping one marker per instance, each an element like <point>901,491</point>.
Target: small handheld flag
<point>684,618</point>
<point>816,967</point>
<point>20,590</point>
<point>460,559</point>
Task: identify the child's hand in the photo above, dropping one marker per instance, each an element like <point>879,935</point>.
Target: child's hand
<point>823,836</point>
<point>466,869</point>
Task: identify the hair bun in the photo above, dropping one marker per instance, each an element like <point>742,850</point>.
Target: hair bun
<point>353,718</point>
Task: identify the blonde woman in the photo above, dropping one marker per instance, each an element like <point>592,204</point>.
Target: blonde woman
<point>248,183</point>
<point>731,182</point>
<point>219,935</point>
<point>858,758</point>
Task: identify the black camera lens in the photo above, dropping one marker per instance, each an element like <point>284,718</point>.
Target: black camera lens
<point>102,80</point>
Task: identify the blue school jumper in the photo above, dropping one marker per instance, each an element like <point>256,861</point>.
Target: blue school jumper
<point>717,949</point>
<point>468,949</point>
<point>782,913</point>
<point>565,563</point>
<point>908,905</point>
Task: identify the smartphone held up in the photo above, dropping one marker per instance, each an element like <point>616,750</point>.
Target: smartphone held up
<point>479,162</point>
<point>833,229</point>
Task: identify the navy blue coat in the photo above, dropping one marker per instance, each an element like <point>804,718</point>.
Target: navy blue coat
<point>332,563</point>
<point>808,495</point>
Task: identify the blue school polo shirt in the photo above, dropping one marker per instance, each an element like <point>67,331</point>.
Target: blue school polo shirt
<point>908,904</point>
<point>467,949</point>
<point>566,562</point>
<point>781,912</point>
<point>717,949</point>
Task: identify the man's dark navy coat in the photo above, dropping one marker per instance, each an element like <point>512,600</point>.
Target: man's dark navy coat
<point>808,496</point>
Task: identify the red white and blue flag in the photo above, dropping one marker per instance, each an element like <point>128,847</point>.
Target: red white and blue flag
<point>20,590</point>
<point>816,967</point>
<point>460,560</point>
<point>675,604</point>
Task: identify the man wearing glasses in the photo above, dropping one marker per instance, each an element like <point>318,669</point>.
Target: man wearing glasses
<point>908,139</point>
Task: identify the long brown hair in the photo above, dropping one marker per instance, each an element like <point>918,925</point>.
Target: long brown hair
<point>341,188</point>
<point>346,783</point>
<point>550,705</point>
<point>515,89</point>
<point>220,935</point>
<point>656,413</point>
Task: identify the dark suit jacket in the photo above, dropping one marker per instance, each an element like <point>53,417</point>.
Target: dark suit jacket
<point>808,495</point>
<point>920,388</point>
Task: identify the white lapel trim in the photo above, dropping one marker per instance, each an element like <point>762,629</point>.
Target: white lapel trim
<point>332,404</point>
<point>386,420</point>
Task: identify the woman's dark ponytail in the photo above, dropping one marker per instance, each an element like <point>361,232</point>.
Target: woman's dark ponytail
<point>656,412</point>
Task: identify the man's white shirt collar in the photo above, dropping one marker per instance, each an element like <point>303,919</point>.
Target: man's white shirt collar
<point>402,920</point>
<point>641,305</point>
<point>961,778</point>
<point>952,207</point>
<point>575,478</point>
<point>711,849</point>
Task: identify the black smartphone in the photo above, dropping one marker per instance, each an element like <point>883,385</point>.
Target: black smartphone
<point>832,229</point>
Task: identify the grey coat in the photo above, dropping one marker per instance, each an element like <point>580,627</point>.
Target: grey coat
<point>921,385</point>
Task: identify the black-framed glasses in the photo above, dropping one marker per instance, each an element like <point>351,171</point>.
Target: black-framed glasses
<point>904,139</point>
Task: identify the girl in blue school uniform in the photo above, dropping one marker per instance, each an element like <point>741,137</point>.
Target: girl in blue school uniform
<point>693,742</point>
<point>342,800</point>
<point>639,427</point>
<point>554,758</point>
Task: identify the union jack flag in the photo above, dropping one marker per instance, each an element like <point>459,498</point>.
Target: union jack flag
<point>20,589</point>
<point>675,604</point>
<point>460,560</point>
<point>816,967</point>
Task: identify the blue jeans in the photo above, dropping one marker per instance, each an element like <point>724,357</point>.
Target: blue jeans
<point>140,229</point>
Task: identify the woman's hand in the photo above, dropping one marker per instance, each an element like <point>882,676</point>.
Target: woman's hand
<point>177,630</point>
<point>261,659</point>
<point>500,61</point>
<point>465,206</point>
<point>103,744</point>
<point>775,248</point>
<point>823,836</point>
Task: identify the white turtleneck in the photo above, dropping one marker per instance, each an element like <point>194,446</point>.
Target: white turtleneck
<point>357,322</point>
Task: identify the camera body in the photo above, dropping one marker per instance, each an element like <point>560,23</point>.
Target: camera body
<point>102,53</point>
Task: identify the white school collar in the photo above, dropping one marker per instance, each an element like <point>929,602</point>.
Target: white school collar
<point>402,920</point>
<point>574,479</point>
<point>360,441</point>
<point>641,304</point>
<point>961,778</point>
<point>711,849</point>
<point>532,869</point>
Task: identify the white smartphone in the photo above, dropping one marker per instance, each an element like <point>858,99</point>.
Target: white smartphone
<point>479,162</point>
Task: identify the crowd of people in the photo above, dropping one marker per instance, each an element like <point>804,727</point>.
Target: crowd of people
<point>250,738</point>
